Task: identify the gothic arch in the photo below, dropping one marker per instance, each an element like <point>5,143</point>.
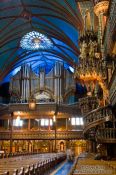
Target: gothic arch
<point>46,90</point>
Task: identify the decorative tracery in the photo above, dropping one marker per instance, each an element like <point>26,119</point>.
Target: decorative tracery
<point>35,40</point>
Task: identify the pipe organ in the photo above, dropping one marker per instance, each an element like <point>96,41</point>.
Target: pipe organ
<point>26,84</point>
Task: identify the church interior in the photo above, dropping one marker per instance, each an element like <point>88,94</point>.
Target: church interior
<point>57,87</point>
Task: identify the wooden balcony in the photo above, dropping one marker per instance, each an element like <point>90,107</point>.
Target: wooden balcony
<point>106,135</point>
<point>97,117</point>
<point>112,89</point>
<point>42,108</point>
<point>40,135</point>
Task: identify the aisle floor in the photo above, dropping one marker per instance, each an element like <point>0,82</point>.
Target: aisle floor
<point>63,169</point>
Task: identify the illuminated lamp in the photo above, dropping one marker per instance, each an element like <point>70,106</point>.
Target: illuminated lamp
<point>32,103</point>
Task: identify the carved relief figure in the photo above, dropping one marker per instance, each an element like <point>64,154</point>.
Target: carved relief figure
<point>83,50</point>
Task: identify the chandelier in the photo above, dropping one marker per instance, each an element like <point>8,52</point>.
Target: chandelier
<point>34,41</point>
<point>91,67</point>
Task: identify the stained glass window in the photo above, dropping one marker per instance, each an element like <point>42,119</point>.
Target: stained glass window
<point>35,41</point>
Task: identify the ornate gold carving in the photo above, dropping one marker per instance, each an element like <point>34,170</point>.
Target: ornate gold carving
<point>96,117</point>
<point>101,7</point>
<point>88,104</point>
<point>41,135</point>
<point>113,90</point>
<point>91,69</point>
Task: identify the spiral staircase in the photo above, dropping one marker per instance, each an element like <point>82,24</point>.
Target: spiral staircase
<point>99,125</point>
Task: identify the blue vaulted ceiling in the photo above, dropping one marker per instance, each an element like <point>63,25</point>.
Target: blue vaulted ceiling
<point>59,20</point>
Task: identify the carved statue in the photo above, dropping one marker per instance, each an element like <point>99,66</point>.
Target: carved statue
<point>92,48</point>
<point>83,50</point>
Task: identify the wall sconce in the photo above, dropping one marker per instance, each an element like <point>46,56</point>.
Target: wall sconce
<point>32,104</point>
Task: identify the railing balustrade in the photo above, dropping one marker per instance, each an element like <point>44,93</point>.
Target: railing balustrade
<point>100,114</point>
<point>106,134</point>
<point>5,135</point>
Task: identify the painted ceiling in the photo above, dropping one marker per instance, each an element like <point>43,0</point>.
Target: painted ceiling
<point>57,20</point>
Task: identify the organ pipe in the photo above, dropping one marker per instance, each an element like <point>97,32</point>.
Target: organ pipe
<point>27,83</point>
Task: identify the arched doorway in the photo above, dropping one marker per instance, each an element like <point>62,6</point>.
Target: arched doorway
<point>61,146</point>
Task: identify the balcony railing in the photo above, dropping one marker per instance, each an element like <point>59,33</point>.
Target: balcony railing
<point>70,109</point>
<point>97,117</point>
<point>40,135</point>
<point>106,135</point>
<point>112,88</point>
